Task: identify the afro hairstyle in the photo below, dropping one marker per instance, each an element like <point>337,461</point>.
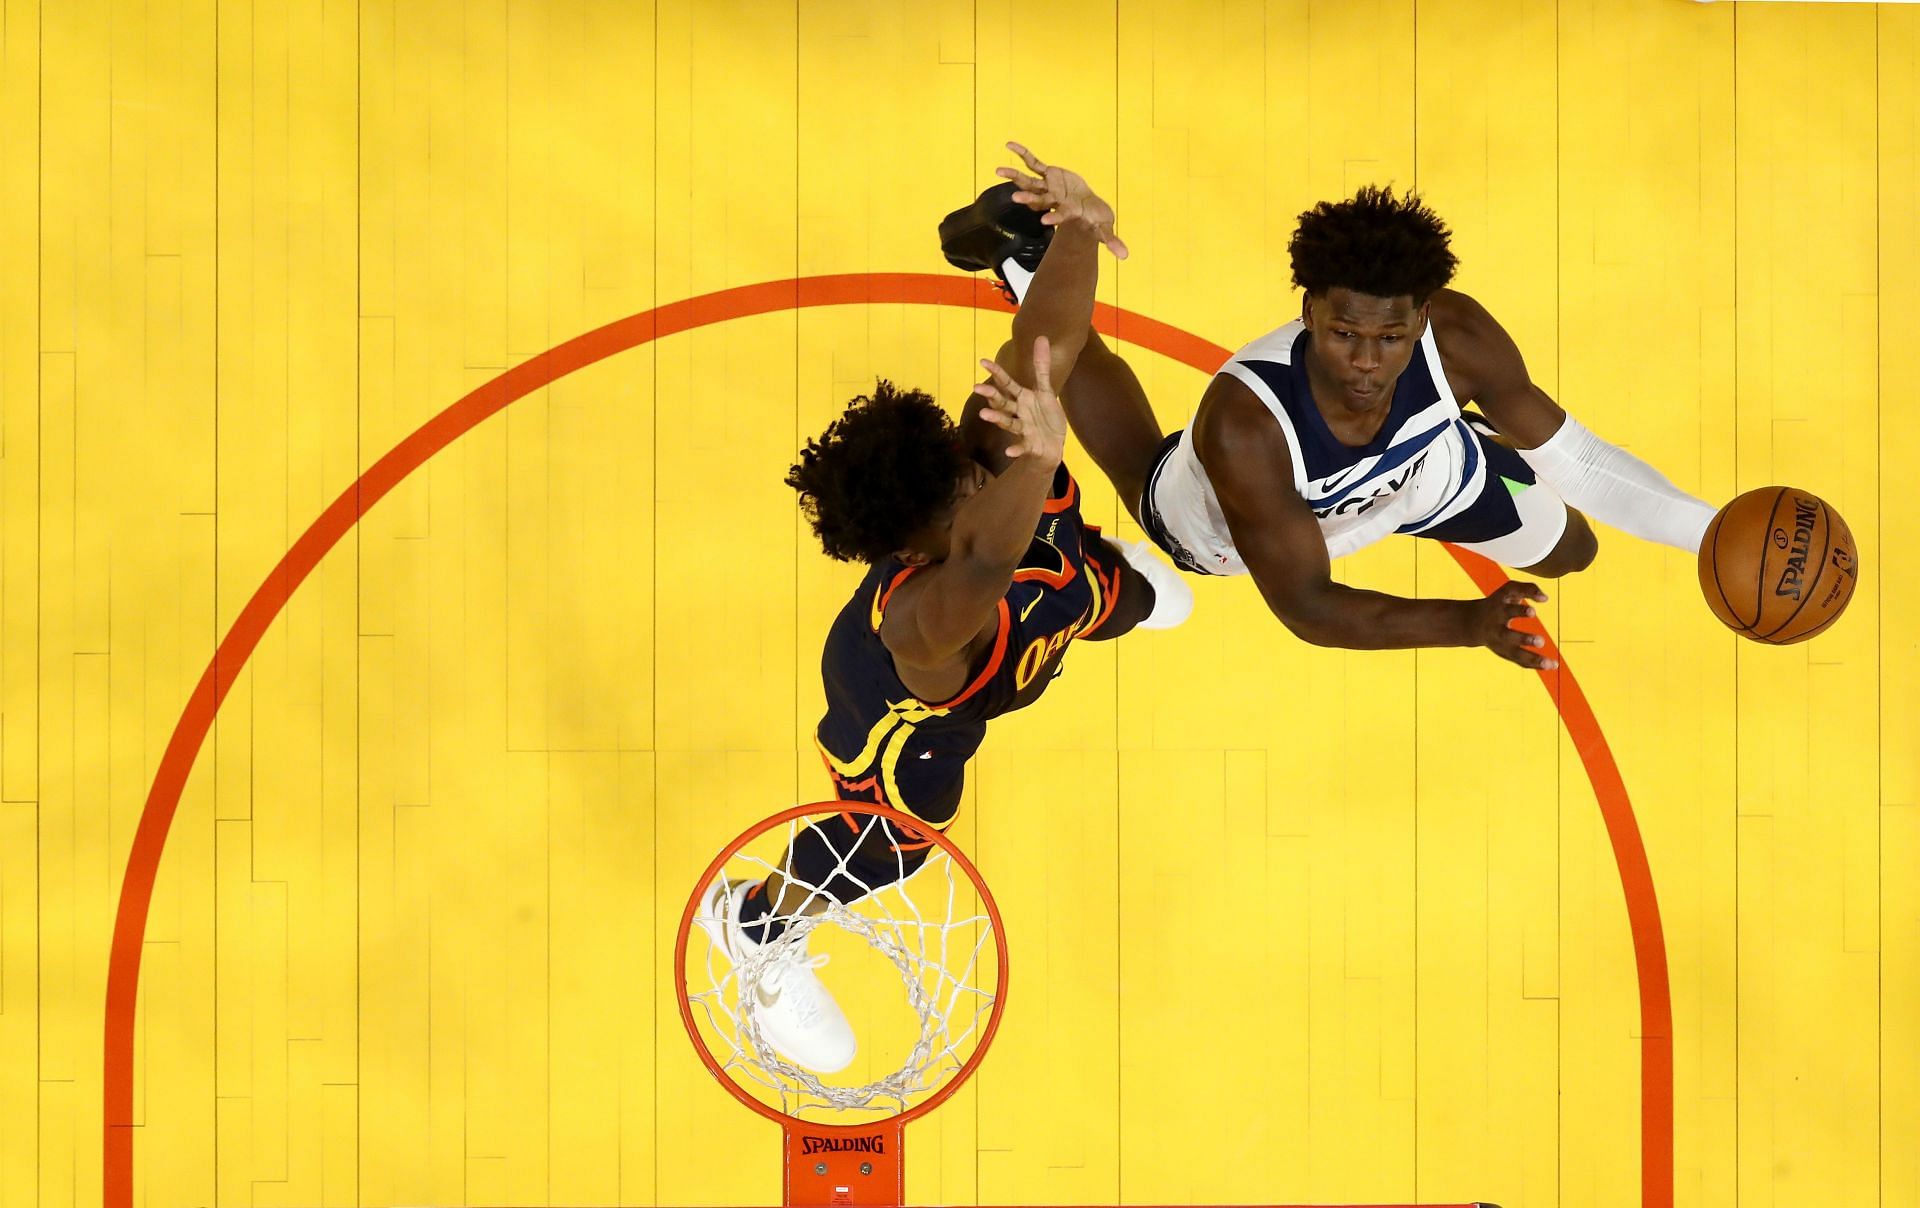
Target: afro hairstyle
<point>879,473</point>
<point>1373,243</point>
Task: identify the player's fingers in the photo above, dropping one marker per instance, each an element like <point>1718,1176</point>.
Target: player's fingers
<point>1028,158</point>
<point>1001,377</point>
<point>1026,184</point>
<point>1532,653</point>
<point>1115,245</point>
<point>1526,658</point>
<point>1525,591</point>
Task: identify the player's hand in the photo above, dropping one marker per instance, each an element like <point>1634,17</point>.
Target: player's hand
<point>1062,196</point>
<point>1032,415</point>
<point>1494,620</point>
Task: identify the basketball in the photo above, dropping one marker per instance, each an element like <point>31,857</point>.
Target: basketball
<point>1778,565</point>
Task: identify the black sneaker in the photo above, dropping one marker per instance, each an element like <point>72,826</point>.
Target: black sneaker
<point>993,229</point>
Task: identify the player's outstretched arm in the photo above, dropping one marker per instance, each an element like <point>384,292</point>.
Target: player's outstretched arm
<point>1059,300</point>
<point>1251,469</point>
<point>1604,481</point>
<point>957,600</point>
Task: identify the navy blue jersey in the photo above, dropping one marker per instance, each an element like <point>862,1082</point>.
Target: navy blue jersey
<point>883,744</point>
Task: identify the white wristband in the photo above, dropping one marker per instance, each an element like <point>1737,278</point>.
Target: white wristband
<point>1617,488</point>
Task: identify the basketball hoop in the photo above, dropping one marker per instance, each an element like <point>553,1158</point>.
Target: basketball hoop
<point>940,932</point>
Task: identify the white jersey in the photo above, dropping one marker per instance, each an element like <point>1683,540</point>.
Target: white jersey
<point>1423,467</point>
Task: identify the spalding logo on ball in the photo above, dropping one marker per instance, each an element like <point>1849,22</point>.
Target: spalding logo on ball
<point>1778,565</point>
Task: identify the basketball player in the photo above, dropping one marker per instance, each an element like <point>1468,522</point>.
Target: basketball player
<point>981,574</point>
<point>1346,424</point>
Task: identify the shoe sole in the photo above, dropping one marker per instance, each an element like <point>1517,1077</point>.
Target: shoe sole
<point>979,236</point>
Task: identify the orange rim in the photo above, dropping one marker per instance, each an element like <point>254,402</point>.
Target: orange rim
<point>906,822</point>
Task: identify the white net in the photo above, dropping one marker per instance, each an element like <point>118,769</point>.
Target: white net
<point>924,938</point>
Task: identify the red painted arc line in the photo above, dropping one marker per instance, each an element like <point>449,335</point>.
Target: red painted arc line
<point>190,732</point>
<point>1643,905</point>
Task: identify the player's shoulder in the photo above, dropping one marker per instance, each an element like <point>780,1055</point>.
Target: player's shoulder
<point>1276,345</point>
<point>873,598</point>
<point>1235,434</point>
<point>1475,350</point>
<point>1459,318</point>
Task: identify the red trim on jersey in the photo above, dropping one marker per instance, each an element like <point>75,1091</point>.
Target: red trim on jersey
<point>1065,501</point>
<point>993,661</point>
<point>1110,585</point>
<point>880,605</point>
<point>847,817</point>
<point>847,788</point>
<point>1054,579</point>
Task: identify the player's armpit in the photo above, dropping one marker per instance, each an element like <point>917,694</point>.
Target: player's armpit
<point>915,632</point>
<point>955,601</point>
<point>955,604</point>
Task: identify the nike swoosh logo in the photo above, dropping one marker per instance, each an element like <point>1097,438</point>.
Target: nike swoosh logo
<point>1330,485</point>
<point>1031,605</point>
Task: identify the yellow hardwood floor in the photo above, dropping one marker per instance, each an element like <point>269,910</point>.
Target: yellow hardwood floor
<point>1287,924</point>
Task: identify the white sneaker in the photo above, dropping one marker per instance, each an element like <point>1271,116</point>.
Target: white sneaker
<point>1172,598</point>
<point>794,1009</point>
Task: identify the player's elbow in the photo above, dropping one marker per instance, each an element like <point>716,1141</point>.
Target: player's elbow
<point>1310,616</point>
<point>1313,631</point>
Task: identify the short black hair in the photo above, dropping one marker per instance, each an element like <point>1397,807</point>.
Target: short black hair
<point>879,473</point>
<point>1373,243</point>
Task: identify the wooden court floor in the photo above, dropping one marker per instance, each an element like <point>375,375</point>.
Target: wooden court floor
<point>1287,924</point>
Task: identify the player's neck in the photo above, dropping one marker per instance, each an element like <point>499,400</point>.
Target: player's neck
<point>1350,425</point>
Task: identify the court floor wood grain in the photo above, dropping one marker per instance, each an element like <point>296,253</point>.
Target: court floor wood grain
<point>1288,924</point>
